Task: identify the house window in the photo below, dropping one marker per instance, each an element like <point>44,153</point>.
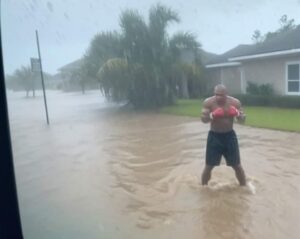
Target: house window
<point>293,78</point>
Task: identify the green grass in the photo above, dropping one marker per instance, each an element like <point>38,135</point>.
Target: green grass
<point>184,107</point>
<point>273,118</point>
<point>262,117</point>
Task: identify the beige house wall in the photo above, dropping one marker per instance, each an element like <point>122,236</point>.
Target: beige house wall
<point>260,71</point>
<point>231,78</point>
<point>228,76</point>
<point>213,78</point>
<point>269,70</point>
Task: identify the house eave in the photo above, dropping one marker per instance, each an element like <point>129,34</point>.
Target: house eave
<point>263,55</point>
<point>223,64</point>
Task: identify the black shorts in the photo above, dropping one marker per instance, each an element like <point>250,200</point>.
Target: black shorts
<point>225,144</point>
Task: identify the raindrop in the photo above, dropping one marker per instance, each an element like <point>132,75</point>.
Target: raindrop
<point>50,6</point>
<point>66,16</point>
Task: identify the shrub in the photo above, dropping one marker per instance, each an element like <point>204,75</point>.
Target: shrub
<point>252,88</point>
<point>271,101</point>
<point>256,89</point>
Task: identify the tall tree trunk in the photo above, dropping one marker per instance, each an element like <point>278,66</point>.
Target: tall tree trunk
<point>82,87</point>
<point>33,86</point>
<point>185,91</point>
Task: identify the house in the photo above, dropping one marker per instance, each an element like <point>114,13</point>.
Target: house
<point>54,81</point>
<point>71,75</point>
<point>275,61</point>
<point>67,70</point>
<point>68,75</point>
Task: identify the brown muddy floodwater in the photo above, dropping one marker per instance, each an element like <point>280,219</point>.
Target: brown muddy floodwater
<point>98,172</point>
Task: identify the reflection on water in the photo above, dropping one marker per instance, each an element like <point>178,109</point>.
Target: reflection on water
<point>97,172</point>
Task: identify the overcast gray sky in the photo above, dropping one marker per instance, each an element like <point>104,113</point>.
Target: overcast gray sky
<point>67,26</point>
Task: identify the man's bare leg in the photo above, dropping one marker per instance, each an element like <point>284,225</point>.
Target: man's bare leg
<point>240,174</point>
<point>206,174</point>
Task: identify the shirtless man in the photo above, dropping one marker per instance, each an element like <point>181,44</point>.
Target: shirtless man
<point>221,110</point>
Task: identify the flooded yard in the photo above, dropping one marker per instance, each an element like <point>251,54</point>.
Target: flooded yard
<point>101,172</point>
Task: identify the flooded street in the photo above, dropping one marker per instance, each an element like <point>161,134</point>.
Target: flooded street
<point>98,172</point>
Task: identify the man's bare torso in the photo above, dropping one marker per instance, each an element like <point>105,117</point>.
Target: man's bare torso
<point>223,124</point>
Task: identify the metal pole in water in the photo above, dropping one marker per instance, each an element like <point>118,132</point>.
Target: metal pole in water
<point>42,75</point>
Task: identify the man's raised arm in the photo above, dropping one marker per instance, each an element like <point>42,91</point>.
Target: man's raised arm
<point>205,117</point>
<point>241,118</point>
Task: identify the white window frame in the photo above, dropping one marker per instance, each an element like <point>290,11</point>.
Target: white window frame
<point>287,80</point>
<point>222,76</point>
<point>242,80</point>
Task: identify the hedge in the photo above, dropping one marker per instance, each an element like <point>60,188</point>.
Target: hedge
<point>272,101</point>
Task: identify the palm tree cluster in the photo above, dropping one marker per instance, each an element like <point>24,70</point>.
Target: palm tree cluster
<point>142,64</point>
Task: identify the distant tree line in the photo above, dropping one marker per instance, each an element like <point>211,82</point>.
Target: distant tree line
<point>23,79</point>
<point>285,26</point>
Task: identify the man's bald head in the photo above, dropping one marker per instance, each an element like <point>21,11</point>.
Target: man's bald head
<point>220,94</point>
<point>221,88</point>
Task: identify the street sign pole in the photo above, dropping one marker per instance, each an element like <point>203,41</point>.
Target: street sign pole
<point>42,75</point>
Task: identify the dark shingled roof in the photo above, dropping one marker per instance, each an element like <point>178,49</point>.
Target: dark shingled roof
<point>71,66</point>
<point>237,51</point>
<point>282,42</point>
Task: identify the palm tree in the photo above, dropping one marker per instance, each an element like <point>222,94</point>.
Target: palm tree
<point>146,57</point>
<point>104,46</point>
<point>114,79</point>
<point>180,44</point>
